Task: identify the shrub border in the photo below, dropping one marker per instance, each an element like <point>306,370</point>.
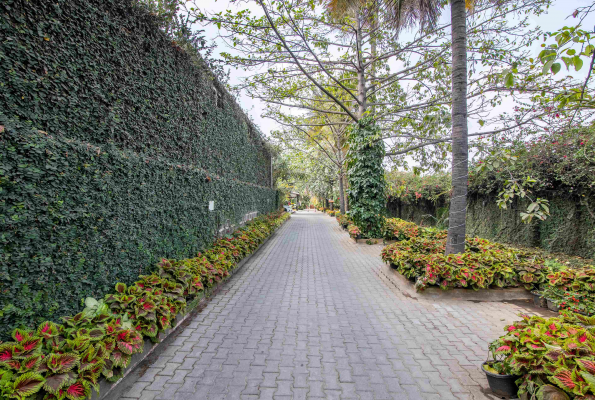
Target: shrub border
<point>115,389</point>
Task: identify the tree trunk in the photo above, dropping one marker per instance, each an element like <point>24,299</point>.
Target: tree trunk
<point>361,77</point>
<point>341,193</point>
<point>346,183</point>
<point>455,242</point>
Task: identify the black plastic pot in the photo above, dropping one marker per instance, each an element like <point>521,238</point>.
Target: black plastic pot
<point>538,300</point>
<point>552,306</point>
<point>502,385</point>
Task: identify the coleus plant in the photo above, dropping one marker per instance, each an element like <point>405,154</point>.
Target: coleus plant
<point>64,361</point>
<point>557,352</point>
<point>396,228</point>
<point>484,264</point>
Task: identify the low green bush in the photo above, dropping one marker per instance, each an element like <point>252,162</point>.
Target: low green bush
<point>56,361</point>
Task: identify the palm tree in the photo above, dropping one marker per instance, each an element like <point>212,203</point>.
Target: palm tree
<point>455,242</point>
<point>405,13</point>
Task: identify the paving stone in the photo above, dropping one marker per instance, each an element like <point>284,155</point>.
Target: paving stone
<point>136,390</point>
<point>309,316</point>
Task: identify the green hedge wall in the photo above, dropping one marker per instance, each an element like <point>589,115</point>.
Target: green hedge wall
<point>101,71</point>
<point>570,228</point>
<point>112,143</point>
<point>76,218</point>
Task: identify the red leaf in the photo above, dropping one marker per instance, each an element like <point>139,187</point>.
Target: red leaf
<point>77,391</point>
<point>125,347</point>
<point>564,379</point>
<point>5,355</point>
<point>31,344</point>
<point>587,365</point>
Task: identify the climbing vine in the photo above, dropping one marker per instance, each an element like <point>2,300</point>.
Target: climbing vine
<point>366,178</point>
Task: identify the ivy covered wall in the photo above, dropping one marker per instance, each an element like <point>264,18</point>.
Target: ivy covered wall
<point>112,143</point>
<point>569,229</point>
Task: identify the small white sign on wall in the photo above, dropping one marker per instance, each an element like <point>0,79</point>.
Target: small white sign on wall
<point>211,205</point>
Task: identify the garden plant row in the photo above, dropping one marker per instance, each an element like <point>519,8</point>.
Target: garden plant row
<point>419,255</point>
<point>66,361</point>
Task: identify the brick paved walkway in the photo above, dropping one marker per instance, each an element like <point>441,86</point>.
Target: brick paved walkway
<point>309,317</point>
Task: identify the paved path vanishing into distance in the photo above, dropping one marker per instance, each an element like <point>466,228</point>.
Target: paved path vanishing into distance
<point>309,317</point>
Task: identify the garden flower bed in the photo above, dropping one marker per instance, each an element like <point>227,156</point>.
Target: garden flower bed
<point>59,361</point>
<point>419,256</point>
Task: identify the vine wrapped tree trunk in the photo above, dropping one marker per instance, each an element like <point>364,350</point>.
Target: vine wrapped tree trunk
<point>458,203</point>
<point>366,178</point>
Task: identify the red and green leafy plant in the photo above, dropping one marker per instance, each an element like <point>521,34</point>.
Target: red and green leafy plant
<point>354,231</point>
<point>482,265</point>
<point>554,356</point>
<point>344,220</point>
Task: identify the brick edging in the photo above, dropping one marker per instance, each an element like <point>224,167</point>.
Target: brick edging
<point>434,293</point>
<point>108,390</point>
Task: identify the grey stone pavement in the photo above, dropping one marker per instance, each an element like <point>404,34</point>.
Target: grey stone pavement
<point>309,317</point>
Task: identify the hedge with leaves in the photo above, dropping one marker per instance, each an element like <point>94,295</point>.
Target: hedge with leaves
<point>57,362</point>
<point>101,71</point>
<point>112,142</point>
<point>76,217</point>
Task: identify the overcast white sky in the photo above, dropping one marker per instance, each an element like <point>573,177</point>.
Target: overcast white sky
<point>555,18</point>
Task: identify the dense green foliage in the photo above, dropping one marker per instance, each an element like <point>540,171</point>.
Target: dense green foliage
<point>366,178</point>
<point>76,217</point>
<point>557,161</point>
<point>102,71</point>
<point>561,166</point>
<point>409,187</point>
<point>67,361</point>
<point>112,143</point>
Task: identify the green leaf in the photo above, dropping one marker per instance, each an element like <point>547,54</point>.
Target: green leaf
<point>547,66</point>
<point>556,67</point>
<point>509,80</point>
<point>578,63</point>
<point>91,302</point>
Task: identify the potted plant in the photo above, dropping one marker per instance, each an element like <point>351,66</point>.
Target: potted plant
<point>499,372</point>
<point>554,297</point>
<point>354,232</point>
<point>538,299</point>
